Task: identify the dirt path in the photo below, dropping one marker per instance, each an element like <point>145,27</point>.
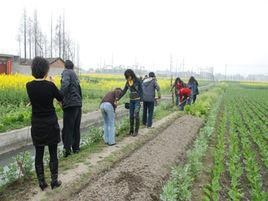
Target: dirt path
<point>140,176</point>
<point>91,164</point>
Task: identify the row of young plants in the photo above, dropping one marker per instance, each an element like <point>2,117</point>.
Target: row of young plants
<point>244,168</point>
<point>22,169</point>
<point>235,164</point>
<point>212,190</point>
<point>178,187</point>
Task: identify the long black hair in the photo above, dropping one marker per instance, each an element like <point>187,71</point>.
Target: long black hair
<point>131,73</point>
<point>178,80</point>
<point>193,80</point>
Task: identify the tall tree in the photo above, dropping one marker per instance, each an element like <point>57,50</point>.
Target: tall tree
<point>19,41</point>
<point>58,38</point>
<point>35,32</point>
<point>30,35</point>
<point>63,37</point>
<point>51,37</point>
<point>24,32</point>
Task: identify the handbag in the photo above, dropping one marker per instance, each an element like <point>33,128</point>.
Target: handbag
<point>127,106</point>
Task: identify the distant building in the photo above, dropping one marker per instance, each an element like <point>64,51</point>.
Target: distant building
<point>56,66</point>
<point>11,64</point>
<point>7,62</point>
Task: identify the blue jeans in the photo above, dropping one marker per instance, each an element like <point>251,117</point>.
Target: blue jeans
<point>177,99</point>
<point>148,108</point>
<point>134,115</point>
<point>185,100</point>
<point>108,114</point>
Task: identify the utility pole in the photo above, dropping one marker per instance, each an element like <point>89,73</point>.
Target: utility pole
<point>51,37</point>
<point>183,64</point>
<point>24,32</point>
<point>112,60</point>
<point>171,64</point>
<point>225,72</point>
<point>171,78</point>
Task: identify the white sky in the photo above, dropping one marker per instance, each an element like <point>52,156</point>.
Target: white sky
<point>204,32</point>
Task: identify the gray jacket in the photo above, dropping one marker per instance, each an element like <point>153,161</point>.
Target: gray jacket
<point>149,85</point>
<point>71,90</point>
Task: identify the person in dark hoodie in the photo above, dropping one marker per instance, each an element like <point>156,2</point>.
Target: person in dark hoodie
<point>149,86</point>
<point>133,84</point>
<point>108,106</point>
<point>45,130</point>
<point>193,85</point>
<point>72,103</point>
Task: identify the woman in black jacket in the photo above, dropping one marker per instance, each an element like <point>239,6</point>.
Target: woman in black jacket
<point>133,84</point>
<point>45,130</point>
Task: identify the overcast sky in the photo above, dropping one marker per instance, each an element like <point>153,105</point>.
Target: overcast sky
<point>147,32</point>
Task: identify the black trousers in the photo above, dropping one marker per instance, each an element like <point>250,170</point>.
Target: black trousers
<point>194,98</point>
<point>148,108</point>
<point>39,154</point>
<point>71,128</point>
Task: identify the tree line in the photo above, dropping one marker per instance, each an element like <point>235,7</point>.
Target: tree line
<point>33,41</point>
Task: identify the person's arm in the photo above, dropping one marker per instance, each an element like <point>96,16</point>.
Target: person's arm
<point>65,82</point>
<point>80,90</point>
<point>157,87</point>
<point>180,95</point>
<point>141,90</point>
<point>172,87</point>
<point>28,93</point>
<point>124,91</point>
<point>57,94</point>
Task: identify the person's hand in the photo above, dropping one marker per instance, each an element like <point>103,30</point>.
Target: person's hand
<point>159,97</point>
<point>116,103</point>
<point>51,79</point>
<point>60,104</point>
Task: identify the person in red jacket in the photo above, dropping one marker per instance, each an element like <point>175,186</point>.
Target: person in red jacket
<point>184,93</point>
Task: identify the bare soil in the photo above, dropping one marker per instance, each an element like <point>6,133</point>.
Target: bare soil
<point>141,175</point>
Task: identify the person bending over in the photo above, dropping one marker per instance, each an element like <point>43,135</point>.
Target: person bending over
<point>108,106</point>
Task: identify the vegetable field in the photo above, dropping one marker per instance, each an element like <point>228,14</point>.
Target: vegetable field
<point>236,168</point>
<point>241,154</point>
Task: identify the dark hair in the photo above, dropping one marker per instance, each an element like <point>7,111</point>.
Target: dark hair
<point>118,89</point>
<point>178,80</point>
<point>131,73</point>
<point>40,67</point>
<point>192,80</point>
<point>69,64</point>
<point>151,74</point>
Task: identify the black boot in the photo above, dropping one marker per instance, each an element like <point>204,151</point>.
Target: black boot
<point>41,176</point>
<point>66,153</point>
<point>54,175</point>
<point>131,131</point>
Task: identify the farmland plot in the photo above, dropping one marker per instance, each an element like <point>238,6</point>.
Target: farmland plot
<point>240,168</point>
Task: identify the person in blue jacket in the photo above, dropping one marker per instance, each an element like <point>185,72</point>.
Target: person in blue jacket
<point>193,85</point>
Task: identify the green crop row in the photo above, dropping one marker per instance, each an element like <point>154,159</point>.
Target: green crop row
<point>212,190</point>
<point>178,187</point>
